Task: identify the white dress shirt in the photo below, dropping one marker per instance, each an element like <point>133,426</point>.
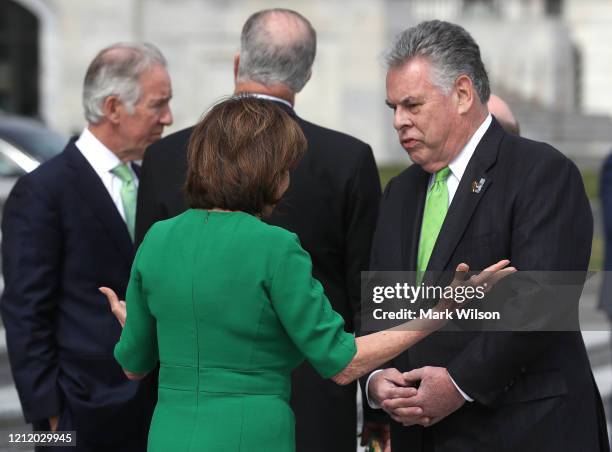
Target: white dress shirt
<point>103,161</point>
<point>457,167</point>
<point>272,98</point>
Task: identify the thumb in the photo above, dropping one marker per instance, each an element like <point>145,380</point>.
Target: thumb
<point>395,377</point>
<point>460,273</point>
<point>414,376</point>
<point>110,294</point>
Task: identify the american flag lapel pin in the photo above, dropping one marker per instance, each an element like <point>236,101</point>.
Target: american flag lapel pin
<point>477,186</point>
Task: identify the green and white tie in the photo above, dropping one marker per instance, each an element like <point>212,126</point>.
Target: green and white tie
<point>436,206</point>
<point>128,193</point>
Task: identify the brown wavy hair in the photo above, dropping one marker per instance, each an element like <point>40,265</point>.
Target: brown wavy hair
<point>238,154</point>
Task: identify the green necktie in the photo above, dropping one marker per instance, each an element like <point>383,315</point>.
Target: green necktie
<point>128,195</point>
<point>436,205</point>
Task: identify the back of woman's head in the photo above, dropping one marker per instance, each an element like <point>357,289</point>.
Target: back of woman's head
<point>239,153</point>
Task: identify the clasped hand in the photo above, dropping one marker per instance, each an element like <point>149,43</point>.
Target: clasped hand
<point>435,398</point>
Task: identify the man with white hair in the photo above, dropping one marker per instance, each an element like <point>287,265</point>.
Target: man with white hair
<point>331,204</point>
<point>68,228</point>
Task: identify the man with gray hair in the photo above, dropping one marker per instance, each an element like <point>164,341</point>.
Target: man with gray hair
<point>68,228</point>
<point>476,195</point>
<point>331,204</point>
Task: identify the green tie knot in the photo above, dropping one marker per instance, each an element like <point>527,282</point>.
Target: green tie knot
<point>123,172</point>
<point>442,175</point>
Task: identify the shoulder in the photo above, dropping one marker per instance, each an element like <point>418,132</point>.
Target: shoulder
<point>405,181</point>
<point>531,157</point>
<point>169,147</point>
<point>47,180</point>
<point>341,142</point>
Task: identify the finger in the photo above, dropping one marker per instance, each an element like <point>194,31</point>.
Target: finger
<point>400,393</point>
<point>499,275</point>
<point>498,266</point>
<point>489,281</point>
<point>487,273</point>
<point>405,410</point>
<point>110,294</point>
<point>398,404</point>
<point>394,376</point>
<point>424,421</point>
<point>414,376</point>
<point>460,274</point>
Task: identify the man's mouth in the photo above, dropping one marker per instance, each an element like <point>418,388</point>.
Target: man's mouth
<point>409,143</point>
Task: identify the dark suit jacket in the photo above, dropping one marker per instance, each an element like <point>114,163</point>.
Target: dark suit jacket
<point>605,195</point>
<point>533,391</point>
<point>62,239</point>
<point>331,204</point>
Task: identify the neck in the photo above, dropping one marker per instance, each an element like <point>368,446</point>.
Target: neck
<point>278,90</point>
<point>469,128</point>
<point>106,135</point>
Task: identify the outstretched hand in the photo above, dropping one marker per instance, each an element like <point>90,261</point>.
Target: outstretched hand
<point>485,279</point>
<point>117,306</point>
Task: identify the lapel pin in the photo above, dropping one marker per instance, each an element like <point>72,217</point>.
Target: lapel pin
<point>477,186</point>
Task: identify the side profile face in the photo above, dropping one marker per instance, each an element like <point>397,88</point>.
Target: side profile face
<point>145,124</point>
<point>424,117</point>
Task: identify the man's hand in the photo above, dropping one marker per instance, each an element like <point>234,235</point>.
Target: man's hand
<point>386,383</point>
<point>117,306</point>
<point>391,384</point>
<point>53,420</point>
<point>437,397</point>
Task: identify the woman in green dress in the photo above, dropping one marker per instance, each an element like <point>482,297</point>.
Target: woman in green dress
<point>227,304</point>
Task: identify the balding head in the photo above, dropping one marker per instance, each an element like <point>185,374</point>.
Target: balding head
<point>503,114</point>
<point>277,46</point>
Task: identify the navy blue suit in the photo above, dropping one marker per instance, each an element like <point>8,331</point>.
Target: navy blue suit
<point>62,239</point>
<point>605,194</point>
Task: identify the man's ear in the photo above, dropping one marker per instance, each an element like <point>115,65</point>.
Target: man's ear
<point>112,109</point>
<point>464,90</point>
<point>236,65</point>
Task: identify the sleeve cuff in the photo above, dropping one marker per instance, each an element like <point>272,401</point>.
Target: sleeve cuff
<point>463,394</point>
<point>371,403</point>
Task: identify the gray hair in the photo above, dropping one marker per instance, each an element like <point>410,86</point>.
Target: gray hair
<point>115,71</point>
<point>269,59</point>
<point>451,51</point>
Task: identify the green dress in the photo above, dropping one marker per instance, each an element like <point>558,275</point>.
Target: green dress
<point>228,306</point>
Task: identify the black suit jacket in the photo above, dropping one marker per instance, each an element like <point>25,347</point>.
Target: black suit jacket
<point>331,204</point>
<point>528,387</point>
<point>62,239</point>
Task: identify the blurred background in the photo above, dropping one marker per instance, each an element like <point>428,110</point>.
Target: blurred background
<point>551,60</point>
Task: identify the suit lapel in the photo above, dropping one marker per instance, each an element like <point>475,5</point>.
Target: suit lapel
<point>99,201</point>
<point>412,218</point>
<point>465,201</point>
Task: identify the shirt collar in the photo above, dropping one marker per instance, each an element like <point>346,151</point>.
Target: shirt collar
<point>99,156</point>
<point>460,162</point>
<point>272,98</point>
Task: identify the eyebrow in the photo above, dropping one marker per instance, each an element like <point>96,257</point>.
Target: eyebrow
<point>405,100</point>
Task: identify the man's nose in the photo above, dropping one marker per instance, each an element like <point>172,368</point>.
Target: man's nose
<point>401,118</point>
<point>166,117</point>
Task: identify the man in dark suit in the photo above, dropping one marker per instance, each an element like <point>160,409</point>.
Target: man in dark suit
<point>477,194</point>
<point>68,228</point>
<point>331,205</point>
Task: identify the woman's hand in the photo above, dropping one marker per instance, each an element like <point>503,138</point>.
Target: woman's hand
<point>485,279</point>
<point>117,306</point>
